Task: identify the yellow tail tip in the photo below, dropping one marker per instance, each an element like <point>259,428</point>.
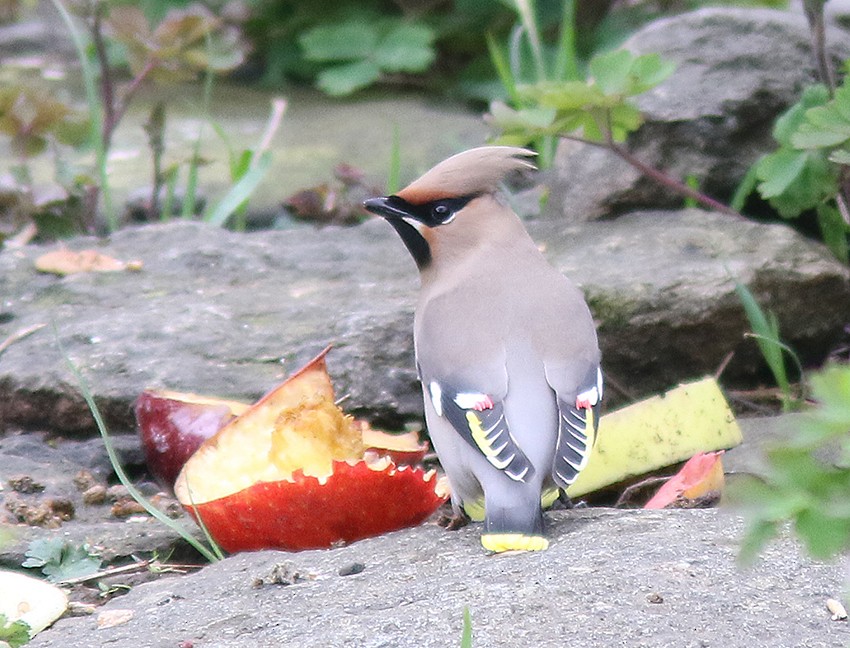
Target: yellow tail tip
<point>501,542</point>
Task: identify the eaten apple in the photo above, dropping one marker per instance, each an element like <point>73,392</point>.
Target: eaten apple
<point>294,472</point>
<point>172,425</point>
<point>405,449</point>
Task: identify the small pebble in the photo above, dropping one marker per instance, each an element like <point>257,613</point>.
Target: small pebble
<point>25,484</point>
<point>84,480</point>
<point>655,597</point>
<point>117,492</point>
<point>353,568</point>
<point>95,494</point>
<point>127,507</point>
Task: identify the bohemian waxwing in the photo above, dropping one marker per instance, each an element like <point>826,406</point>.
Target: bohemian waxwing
<point>505,347</point>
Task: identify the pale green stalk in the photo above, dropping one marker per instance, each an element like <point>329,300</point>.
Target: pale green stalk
<point>95,112</point>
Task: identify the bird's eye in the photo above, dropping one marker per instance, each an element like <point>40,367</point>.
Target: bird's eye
<point>442,213</point>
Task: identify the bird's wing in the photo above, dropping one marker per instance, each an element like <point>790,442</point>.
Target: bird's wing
<point>578,421</point>
<point>480,421</point>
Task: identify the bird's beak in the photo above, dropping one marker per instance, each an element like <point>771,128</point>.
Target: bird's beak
<point>386,206</point>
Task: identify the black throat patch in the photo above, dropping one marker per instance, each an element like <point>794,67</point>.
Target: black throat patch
<point>431,214</point>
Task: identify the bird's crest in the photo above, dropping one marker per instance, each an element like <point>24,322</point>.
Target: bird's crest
<point>476,171</point>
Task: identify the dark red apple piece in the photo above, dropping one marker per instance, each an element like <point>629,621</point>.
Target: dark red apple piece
<point>173,425</point>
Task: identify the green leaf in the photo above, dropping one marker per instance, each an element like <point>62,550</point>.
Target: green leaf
<point>60,560</point>
<point>15,634</point>
<point>747,186</point>
<point>524,119</point>
<point>610,71</point>
<point>347,41</point>
<point>834,233</point>
<point>239,193</point>
<point>778,170</point>
<point>625,119</point>
<point>345,79</point>
<point>758,534</point>
<point>405,48</point>
<point>840,156</point>
<point>788,123</point>
<point>466,637</point>
<point>827,125</point>
<point>564,95</point>
<point>813,183</point>
<point>648,71</point>
<point>825,535</point>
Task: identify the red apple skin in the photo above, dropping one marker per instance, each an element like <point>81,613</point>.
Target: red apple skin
<point>172,426</point>
<point>355,502</point>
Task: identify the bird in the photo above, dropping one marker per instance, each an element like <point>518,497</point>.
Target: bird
<point>505,345</point>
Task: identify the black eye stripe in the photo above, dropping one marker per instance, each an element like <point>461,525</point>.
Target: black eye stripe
<point>434,213</point>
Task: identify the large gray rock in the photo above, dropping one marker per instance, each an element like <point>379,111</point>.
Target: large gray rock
<point>737,70</point>
<point>610,578</point>
<point>231,314</point>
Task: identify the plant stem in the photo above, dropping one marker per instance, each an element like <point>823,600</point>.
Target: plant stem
<point>814,14</point>
<point>655,174</point>
<point>96,116</point>
<point>670,182</point>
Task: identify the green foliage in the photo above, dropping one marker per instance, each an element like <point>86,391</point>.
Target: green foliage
<point>807,480</point>
<point>360,52</point>
<point>805,173</point>
<point>466,637</point>
<point>182,44</point>
<point>247,169</point>
<point>60,560</point>
<point>598,109</point>
<point>15,634</point>
<point>31,116</point>
<point>185,42</point>
<point>765,327</point>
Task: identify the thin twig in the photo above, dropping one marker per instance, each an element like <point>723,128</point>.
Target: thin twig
<point>723,364</point>
<point>629,490</point>
<point>19,335</point>
<point>141,565</point>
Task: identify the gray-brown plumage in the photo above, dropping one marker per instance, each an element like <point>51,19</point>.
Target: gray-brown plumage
<point>505,346</point>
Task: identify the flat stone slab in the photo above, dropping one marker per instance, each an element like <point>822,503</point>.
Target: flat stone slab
<point>610,578</point>
<point>217,312</point>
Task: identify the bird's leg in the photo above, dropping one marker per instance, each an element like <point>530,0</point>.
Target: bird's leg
<point>566,502</point>
<point>453,521</point>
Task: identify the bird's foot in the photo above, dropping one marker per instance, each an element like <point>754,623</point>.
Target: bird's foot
<point>453,521</point>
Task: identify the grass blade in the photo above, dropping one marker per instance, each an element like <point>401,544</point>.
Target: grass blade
<point>566,59</point>
<point>116,461</point>
<point>95,113</point>
<point>240,192</point>
<point>765,331</point>
<point>466,637</point>
<point>503,68</point>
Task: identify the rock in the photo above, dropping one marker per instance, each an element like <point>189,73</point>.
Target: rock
<point>67,468</point>
<point>737,70</point>
<point>610,578</point>
<point>230,314</point>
